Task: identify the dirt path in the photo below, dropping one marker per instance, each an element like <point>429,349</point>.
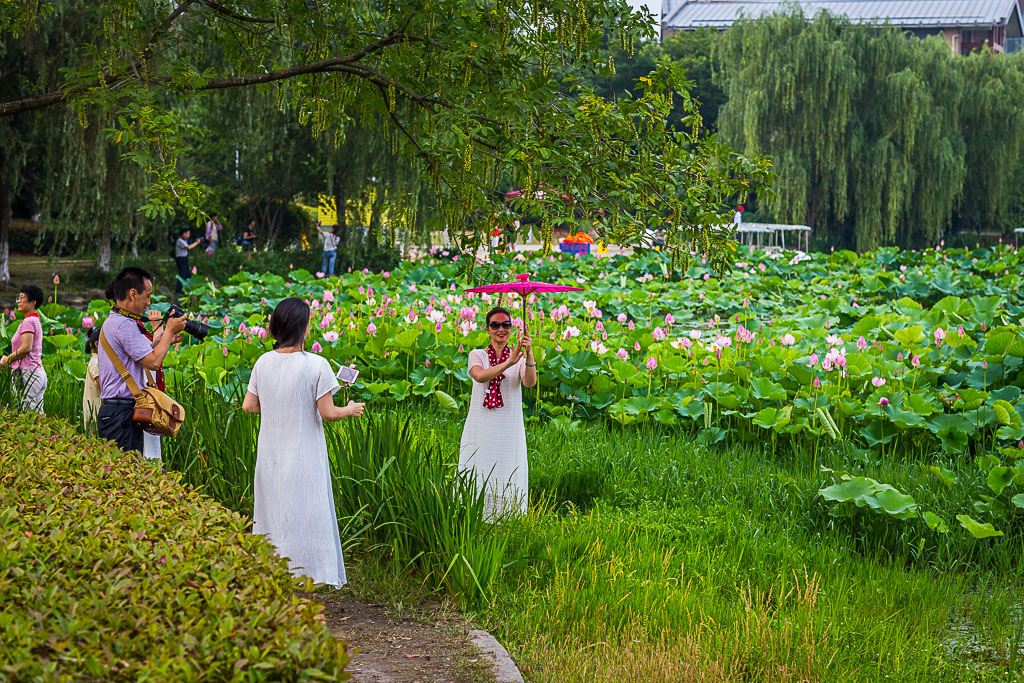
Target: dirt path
<point>434,648</point>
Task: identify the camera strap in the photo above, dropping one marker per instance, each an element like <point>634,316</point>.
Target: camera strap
<point>141,321</point>
<point>128,314</point>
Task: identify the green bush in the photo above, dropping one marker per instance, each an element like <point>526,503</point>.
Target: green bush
<point>110,569</point>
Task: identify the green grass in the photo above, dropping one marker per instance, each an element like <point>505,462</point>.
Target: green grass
<point>649,556</point>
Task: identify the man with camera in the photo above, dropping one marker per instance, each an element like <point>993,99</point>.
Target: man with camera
<point>125,332</point>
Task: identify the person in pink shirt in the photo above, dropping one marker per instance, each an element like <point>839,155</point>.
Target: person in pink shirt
<point>26,357</point>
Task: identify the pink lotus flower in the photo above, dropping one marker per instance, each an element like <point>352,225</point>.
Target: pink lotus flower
<point>700,297</point>
<point>915,361</point>
<point>685,343</point>
<point>621,353</point>
<point>636,346</point>
<point>899,355</point>
<point>883,401</point>
<point>316,348</point>
<point>328,295</point>
<point>371,329</point>
<point>669,319</point>
<point>960,332</point>
<point>939,335</point>
<point>426,363</point>
<point>658,334</point>
<point>862,344</point>
<point>631,326</point>
<point>652,363</point>
<point>88,322</point>
<point>56,278</point>
<point>877,381</point>
<point>194,271</point>
<point>816,383</point>
<point>813,360</point>
<point>599,326</point>
<point>320,274</point>
<point>621,317</point>
<point>330,336</point>
<point>385,275</point>
<point>787,339</point>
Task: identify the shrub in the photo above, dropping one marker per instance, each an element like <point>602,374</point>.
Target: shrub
<point>110,569</point>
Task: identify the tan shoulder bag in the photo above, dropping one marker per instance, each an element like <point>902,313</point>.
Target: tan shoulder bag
<point>155,411</point>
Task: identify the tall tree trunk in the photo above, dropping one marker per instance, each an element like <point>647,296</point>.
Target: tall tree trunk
<point>5,222</point>
<point>339,203</point>
<point>103,250</point>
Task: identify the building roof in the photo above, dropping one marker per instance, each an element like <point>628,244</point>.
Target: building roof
<point>902,13</point>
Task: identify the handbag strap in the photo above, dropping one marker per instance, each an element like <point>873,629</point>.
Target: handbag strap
<point>119,366</point>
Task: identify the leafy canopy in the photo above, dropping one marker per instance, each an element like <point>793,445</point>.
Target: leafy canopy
<point>475,95</point>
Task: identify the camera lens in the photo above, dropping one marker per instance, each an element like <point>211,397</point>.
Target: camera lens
<point>197,329</point>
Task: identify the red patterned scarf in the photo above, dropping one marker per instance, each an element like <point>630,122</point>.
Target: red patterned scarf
<point>493,398</point>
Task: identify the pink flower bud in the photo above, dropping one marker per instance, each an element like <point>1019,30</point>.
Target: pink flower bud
<point>652,363</point>
<point>883,401</point>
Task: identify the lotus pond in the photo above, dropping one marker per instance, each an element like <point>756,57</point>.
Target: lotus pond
<point>890,354</point>
<point>809,469</point>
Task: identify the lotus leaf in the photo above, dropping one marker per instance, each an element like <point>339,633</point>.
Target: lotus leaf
<point>446,402</point>
<point>999,478</point>
<point>935,522</point>
<point>977,529</point>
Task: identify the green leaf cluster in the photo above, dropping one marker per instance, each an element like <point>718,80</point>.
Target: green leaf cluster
<point>111,570</point>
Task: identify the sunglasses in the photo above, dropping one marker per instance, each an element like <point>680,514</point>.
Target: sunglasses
<point>495,325</point>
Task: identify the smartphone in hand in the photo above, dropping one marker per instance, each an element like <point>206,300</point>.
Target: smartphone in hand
<point>347,375</point>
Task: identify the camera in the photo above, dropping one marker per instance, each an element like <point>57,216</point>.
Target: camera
<point>195,328</point>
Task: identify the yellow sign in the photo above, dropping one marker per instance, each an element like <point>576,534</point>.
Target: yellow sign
<point>601,248</point>
<point>327,210</point>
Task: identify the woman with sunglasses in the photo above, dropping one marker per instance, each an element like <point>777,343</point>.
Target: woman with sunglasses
<point>493,447</point>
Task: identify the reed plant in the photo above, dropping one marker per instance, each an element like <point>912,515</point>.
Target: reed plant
<point>398,490</point>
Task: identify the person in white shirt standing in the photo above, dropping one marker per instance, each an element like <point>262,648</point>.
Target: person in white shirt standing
<point>331,241</point>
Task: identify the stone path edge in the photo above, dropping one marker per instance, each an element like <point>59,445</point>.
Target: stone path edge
<point>505,670</point>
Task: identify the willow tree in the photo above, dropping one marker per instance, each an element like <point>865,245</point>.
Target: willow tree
<point>860,121</point>
<point>991,121</point>
<point>461,90</point>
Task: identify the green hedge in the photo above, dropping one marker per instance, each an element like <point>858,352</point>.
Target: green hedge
<point>111,570</point>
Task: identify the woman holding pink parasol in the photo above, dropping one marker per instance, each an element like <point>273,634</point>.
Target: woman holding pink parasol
<point>493,447</point>
<point>493,444</point>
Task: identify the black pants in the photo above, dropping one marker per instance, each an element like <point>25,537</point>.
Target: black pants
<point>184,272</point>
<point>114,422</point>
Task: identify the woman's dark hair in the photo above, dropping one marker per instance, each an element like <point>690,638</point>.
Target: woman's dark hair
<point>335,228</point>
<point>93,341</point>
<point>495,311</point>
<point>288,322</point>
<point>252,219</point>
<point>34,294</point>
<point>181,233</point>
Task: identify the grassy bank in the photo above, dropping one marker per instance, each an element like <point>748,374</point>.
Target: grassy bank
<point>649,556</point>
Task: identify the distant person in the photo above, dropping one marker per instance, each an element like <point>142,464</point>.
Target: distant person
<point>181,249</point>
<point>213,230</point>
<point>26,357</point>
<point>293,499</point>
<point>91,393</point>
<point>331,241</point>
<point>125,332</point>
<point>493,445</point>
<point>737,220</point>
<point>248,238</point>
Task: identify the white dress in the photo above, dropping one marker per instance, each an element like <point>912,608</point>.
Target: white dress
<point>293,496</point>
<point>493,447</point>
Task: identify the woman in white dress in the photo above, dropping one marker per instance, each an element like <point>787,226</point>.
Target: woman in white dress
<point>293,391</point>
<point>493,447</point>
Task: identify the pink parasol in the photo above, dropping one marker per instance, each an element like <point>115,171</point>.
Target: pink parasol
<point>523,286</point>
